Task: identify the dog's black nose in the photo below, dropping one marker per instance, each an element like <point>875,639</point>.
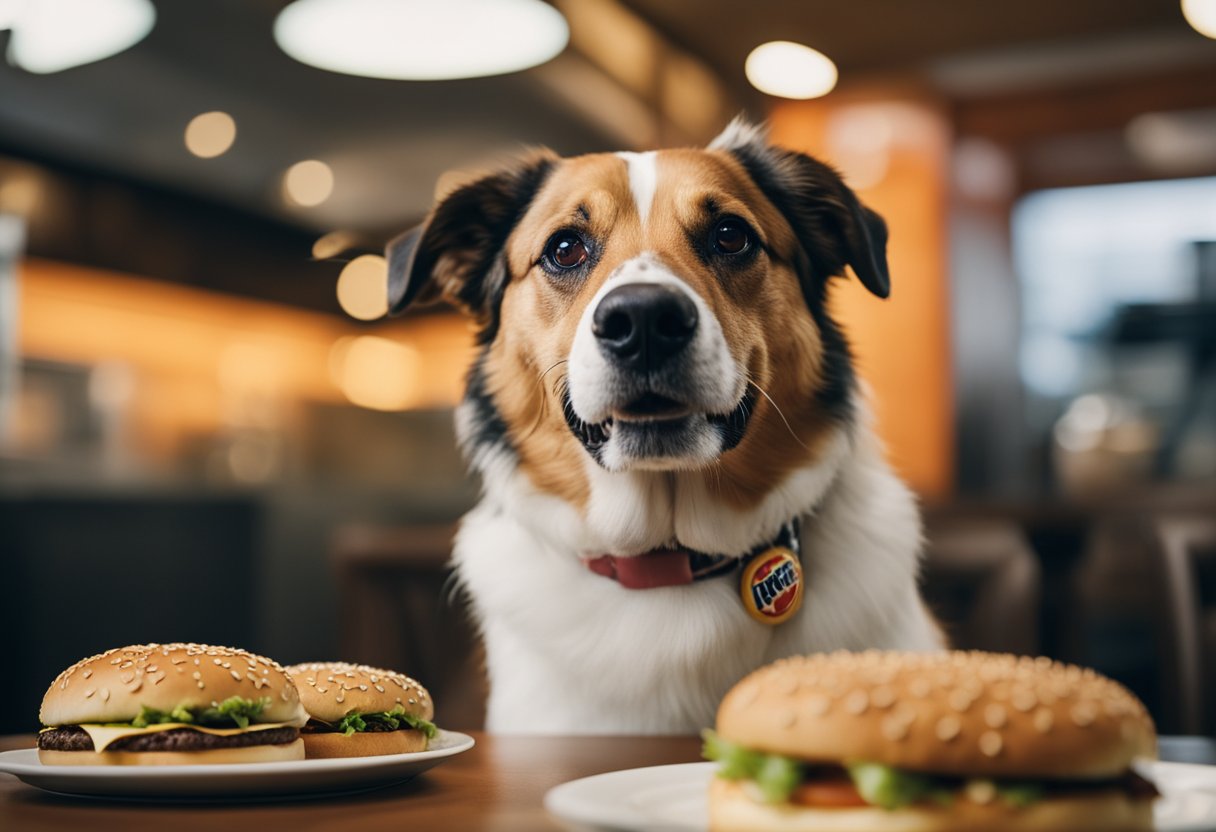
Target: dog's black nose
<point>641,325</point>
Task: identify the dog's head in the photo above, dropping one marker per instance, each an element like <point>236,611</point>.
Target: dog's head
<point>660,310</point>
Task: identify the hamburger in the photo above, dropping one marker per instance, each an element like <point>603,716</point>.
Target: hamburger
<point>171,704</point>
<point>360,711</point>
<point>928,743</point>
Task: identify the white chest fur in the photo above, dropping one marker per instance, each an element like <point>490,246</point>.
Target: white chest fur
<point>569,651</point>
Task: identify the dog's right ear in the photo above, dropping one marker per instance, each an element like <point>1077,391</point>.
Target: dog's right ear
<point>457,253</point>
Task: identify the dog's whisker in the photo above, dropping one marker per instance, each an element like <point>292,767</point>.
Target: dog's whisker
<point>540,414</point>
<point>785,421</point>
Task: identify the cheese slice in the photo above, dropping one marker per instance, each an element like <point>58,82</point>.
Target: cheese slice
<point>104,735</point>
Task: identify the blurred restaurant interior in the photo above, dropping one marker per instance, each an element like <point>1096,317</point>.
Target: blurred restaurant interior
<point>210,432</point>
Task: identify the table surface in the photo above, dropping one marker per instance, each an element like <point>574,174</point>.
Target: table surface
<point>498,785</point>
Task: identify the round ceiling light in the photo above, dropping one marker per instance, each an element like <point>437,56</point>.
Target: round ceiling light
<point>54,35</point>
<point>308,183</point>
<point>790,70</point>
<point>1201,14</point>
<point>210,134</point>
<point>421,40</point>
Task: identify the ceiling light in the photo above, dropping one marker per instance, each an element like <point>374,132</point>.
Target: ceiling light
<point>421,40</point>
<point>1201,14</point>
<point>210,134</point>
<point>54,35</point>
<point>363,288</point>
<point>790,70</point>
<point>308,183</point>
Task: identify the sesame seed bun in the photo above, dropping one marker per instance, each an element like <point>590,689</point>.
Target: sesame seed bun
<point>115,685</point>
<point>331,690</point>
<point>951,713</point>
<point>363,744</point>
<point>731,809</point>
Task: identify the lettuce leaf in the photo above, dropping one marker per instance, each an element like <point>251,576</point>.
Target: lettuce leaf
<point>234,711</point>
<point>353,722</point>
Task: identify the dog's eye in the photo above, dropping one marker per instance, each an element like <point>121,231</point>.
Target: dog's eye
<point>730,236</point>
<point>566,250</point>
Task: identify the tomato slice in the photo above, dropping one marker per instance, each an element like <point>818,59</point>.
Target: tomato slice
<point>836,793</point>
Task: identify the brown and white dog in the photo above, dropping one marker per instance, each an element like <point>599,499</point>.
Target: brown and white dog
<point>660,393</point>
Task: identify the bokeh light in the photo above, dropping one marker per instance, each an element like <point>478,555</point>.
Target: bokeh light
<point>790,70</point>
<point>308,183</point>
<point>210,134</point>
<point>363,288</point>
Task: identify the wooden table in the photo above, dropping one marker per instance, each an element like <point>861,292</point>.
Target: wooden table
<point>498,785</point>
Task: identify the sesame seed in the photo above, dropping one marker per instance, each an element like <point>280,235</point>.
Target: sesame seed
<point>235,674</point>
<point>920,688</point>
<point>105,694</point>
<point>1083,714</point>
<point>745,694</point>
<point>787,718</point>
<point>217,662</point>
<point>894,728</point>
<point>857,702</point>
<point>948,727</point>
<point>960,700</point>
<point>380,688</point>
<point>995,716</point>
<point>818,705</point>
<point>87,673</point>
<point>882,697</point>
<point>991,743</point>
<point>88,694</point>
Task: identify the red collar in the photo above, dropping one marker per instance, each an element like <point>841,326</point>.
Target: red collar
<point>677,567</point>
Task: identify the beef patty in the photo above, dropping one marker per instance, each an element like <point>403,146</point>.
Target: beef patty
<point>316,726</point>
<point>74,738</point>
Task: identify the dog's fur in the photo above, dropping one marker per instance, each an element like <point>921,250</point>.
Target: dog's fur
<point>570,651</point>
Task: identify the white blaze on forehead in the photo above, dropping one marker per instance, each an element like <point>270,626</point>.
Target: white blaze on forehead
<point>643,178</point>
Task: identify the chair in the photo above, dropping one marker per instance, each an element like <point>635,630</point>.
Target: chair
<point>1187,547</point>
<point>982,580</point>
<point>399,610</point>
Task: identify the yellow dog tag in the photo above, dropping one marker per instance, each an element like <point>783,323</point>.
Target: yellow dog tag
<point>771,588</point>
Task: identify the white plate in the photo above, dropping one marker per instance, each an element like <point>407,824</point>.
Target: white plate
<point>301,778</point>
<point>673,798</point>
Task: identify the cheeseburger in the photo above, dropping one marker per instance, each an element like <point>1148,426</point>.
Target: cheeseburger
<point>171,704</point>
<point>928,743</point>
<point>360,711</point>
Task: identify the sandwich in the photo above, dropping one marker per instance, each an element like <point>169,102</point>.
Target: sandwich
<point>929,743</point>
<point>171,704</point>
<point>360,711</point>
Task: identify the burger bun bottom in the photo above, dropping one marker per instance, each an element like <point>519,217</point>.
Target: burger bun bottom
<point>364,744</point>
<point>250,754</point>
<point>731,809</point>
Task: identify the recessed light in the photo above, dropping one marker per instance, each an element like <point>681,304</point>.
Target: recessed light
<point>421,40</point>
<point>210,134</point>
<point>54,35</point>
<point>308,183</point>
<point>790,70</point>
<point>363,288</point>
<point>1201,14</point>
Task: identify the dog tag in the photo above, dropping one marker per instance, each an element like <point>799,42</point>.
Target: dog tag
<point>771,588</point>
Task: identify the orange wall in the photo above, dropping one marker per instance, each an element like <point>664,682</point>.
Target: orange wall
<point>894,151</point>
<point>196,362</point>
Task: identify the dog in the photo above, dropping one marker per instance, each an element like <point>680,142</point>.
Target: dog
<point>661,395</point>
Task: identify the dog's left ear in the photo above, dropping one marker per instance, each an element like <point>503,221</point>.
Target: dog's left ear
<point>457,253</point>
<point>835,229</point>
